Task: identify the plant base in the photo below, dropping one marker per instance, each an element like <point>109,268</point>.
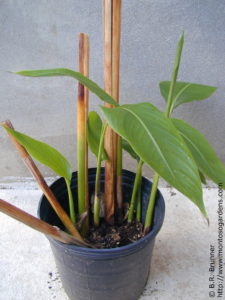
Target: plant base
<point>99,274</point>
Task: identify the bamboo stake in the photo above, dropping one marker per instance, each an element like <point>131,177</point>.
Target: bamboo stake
<point>39,225</point>
<point>116,30</point>
<point>116,33</point>
<point>110,163</point>
<point>43,185</point>
<point>82,116</point>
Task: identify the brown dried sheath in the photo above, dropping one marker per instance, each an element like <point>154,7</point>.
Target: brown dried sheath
<point>82,116</point>
<point>43,185</point>
<point>38,224</point>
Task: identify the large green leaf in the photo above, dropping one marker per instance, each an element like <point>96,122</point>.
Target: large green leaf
<point>94,130</point>
<point>127,147</point>
<point>91,85</point>
<point>186,92</point>
<point>44,153</point>
<point>155,139</point>
<point>204,155</point>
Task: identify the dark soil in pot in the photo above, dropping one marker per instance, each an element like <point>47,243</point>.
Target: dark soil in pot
<point>101,274</point>
<point>106,236</point>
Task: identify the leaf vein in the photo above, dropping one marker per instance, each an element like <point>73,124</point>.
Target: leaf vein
<point>153,140</point>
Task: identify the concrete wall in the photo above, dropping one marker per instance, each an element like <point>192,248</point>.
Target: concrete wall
<point>43,34</point>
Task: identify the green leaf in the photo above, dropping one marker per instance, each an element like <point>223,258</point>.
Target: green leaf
<point>44,153</point>
<point>186,92</point>
<point>155,139</point>
<point>204,155</point>
<point>127,147</point>
<point>202,177</point>
<point>91,85</point>
<point>94,130</point>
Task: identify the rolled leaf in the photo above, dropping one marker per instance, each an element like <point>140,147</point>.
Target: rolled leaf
<point>158,143</point>
<point>44,153</point>
<point>94,130</point>
<point>127,147</point>
<point>176,66</point>
<point>91,85</point>
<point>186,92</point>
<point>204,155</point>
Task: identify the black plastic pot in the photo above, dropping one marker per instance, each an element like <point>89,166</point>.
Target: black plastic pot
<point>103,274</point>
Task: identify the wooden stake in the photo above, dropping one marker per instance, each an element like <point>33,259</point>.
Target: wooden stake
<point>116,33</point>
<point>43,185</point>
<point>109,137</point>
<point>112,24</point>
<point>38,224</point>
<point>82,116</point>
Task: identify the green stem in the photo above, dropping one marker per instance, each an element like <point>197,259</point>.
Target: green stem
<point>119,162</point>
<point>135,189</point>
<point>81,176</point>
<point>71,203</point>
<point>138,215</point>
<point>151,204</point>
<point>169,109</point>
<point>119,190</point>
<point>97,178</point>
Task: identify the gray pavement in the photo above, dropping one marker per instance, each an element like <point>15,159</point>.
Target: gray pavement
<point>180,266</point>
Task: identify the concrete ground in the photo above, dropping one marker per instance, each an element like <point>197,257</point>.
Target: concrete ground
<point>181,259</point>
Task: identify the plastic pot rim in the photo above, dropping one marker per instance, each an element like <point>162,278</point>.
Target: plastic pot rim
<point>118,251</point>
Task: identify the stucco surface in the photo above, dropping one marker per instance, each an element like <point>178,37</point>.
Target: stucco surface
<point>43,34</point>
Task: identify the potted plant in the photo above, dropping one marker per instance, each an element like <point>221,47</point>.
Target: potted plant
<point>103,242</point>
